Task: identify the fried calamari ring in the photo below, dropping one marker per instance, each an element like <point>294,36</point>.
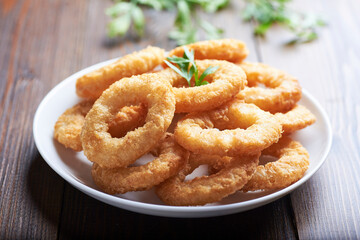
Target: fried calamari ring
<point>223,85</point>
<point>68,126</point>
<point>292,163</point>
<point>150,89</point>
<point>282,93</point>
<point>207,189</point>
<point>128,119</point>
<point>233,129</point>
<point>92,84</point>
<point>297,118</point>
<point>171,159</point>
<point>230,50</point>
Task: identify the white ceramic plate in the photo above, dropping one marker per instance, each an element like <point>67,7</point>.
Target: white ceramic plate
<point>75,168</point>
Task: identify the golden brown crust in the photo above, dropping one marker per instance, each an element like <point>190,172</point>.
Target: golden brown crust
<point>67,129</point>
<point>150,89</point>
<point>223,85</point>
<point>228,124</point>
<point>91,85</point>
<point>234,128</point>
<point>171,159</point>
<point>295,119</point>
<point>207,189</point>
<point>68,126</point>
<point>128,119</point>
<point>282,90</point>
<point>292,163</point>
<point>230,50</point>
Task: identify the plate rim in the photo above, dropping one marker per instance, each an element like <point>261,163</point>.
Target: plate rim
<point>175,211</point>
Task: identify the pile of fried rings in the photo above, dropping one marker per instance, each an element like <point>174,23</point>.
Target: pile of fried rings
<point>137,105</point>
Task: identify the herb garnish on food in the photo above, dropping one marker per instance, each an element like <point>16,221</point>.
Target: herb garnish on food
<point>187,67</point>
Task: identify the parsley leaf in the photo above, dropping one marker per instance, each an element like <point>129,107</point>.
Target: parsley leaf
<point>187,68</point>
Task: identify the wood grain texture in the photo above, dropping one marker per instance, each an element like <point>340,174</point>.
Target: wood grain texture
<point>31,193</point>
<point>42,42</point>
<point>86,217</point>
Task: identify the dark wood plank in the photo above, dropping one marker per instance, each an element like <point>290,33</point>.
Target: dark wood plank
<point>86,217</point>
<point>327,206</point>
<point>31,193</point>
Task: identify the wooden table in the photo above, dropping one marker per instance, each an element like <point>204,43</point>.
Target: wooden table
<point>42,42</point>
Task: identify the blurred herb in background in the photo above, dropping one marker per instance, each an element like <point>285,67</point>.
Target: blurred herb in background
<point>187,24</point>
<point>266,13</point>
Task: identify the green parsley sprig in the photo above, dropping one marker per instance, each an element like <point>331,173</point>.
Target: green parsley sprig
<point>188,69</point>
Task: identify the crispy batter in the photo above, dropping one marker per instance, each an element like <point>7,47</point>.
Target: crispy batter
<point>207,189</point>
<point>171,159</point>
<point>233,129</point>
<point>282,90</point>
<point>150,89</point>
<point>227,124</point>
<point>292,163</point>
<point>223,85</point>
<point>295,119</point>
<point>128,119</point>
<point>221,49</point>
<point>91,85</point>
<point>68,127</point>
